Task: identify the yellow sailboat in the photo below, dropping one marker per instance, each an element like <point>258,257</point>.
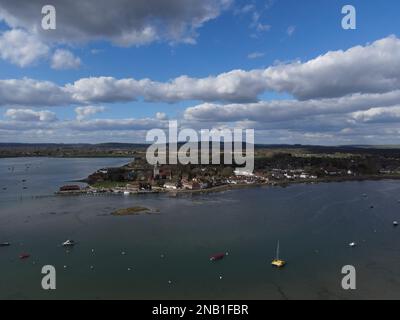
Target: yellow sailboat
<point>278,262</point>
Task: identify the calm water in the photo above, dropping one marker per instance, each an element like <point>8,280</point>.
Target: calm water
<point>314,223</point>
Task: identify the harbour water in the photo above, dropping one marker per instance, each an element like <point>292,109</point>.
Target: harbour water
<point>166,255</point>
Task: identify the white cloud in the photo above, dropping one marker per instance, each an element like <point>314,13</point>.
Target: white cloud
<point>255,16</point>
<point>138,38</point>
<point>290,110</point>
<point>63,59</point>
<point>29,92</point>
<point>374,68</point>
<point>352,96</point>
<point>245,9</point>
<point>290,30</point>
<point>21,48</point>
<point>236,85</point>
<point>30,115</point>
<point>380,114</point>
<point>313,129</point>
<point>255,55</point>
<point>256,24</point>
<point>161,116</point>
<point>84,112</point>
<point>139,22</point>
<point>263,27</point>
<point>362,69</point>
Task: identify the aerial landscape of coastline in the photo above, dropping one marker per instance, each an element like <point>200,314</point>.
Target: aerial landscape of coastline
<point>274,165</point>
<point>199,150</point>
<point>143,233</point>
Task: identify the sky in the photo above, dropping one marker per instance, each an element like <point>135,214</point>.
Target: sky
<point>111,71</point>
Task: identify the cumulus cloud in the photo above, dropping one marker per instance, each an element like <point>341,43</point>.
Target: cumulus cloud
<point>336,129</point>
<point>105,89</point>
<point>21,48</point>
<point>351,95</point>
<point>29,92</point>
<point>29,129</point>
<point>286,110</point>
<point>235,85</point>
<point>84,112</point>
<point>63,59</point>
<point>380,114</point>
<point>30,115</point>
<point>374,68</point>
<point>139,22</point>
<point>362,69</point>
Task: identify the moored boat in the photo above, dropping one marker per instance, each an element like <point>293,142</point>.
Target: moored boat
<point>68,243</point>
<point>218,256</point>
<point>277,262</point>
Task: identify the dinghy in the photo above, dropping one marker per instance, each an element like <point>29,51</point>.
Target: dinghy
<point>68,243</point>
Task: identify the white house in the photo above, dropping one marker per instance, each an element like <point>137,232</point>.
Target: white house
<point>242,172</point>
<point>170,186</point>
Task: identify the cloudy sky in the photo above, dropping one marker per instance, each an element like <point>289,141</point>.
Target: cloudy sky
<point>113,70</point>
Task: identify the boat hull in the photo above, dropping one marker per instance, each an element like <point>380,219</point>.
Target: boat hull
<point>217,257</point>
<point>278,263</point>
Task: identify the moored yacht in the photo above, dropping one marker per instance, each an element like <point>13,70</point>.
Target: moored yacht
<point>277,262</point>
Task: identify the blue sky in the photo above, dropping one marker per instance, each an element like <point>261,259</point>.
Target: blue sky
<point>241,35</point>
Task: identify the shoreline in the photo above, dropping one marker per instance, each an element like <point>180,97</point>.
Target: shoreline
<point>228,187</point>
<point>284,184</point>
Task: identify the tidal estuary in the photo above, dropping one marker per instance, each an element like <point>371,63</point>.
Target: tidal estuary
<point>165,255</point>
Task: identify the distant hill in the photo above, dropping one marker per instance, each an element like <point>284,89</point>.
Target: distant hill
<point>72,145</point>
<point>130,149</point>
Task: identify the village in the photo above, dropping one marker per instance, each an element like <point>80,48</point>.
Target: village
<point>281,168</point>
<point>165,178</point>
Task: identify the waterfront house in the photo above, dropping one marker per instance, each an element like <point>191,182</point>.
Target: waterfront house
<point>242,172</point>
<point>170,186</point>
<point>191,185</point>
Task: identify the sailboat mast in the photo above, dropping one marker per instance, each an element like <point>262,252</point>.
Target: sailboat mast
<point>277,251</point>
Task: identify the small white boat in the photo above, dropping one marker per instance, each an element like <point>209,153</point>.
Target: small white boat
<point>68,243</point>
<point>395,223</point>
<point>352,244</point>
<point>126,193</point>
